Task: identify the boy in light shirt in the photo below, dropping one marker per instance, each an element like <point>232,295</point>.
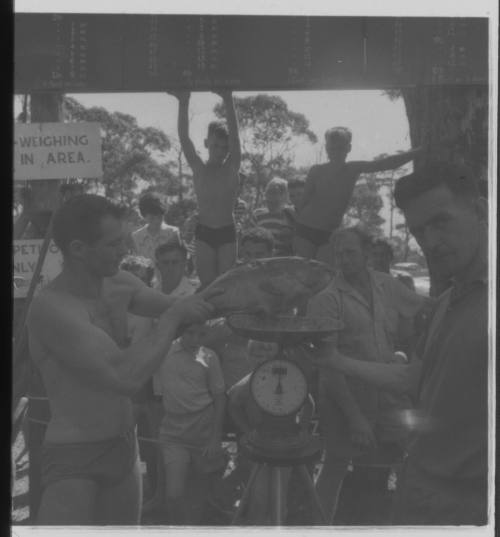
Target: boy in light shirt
<point>193,395</point>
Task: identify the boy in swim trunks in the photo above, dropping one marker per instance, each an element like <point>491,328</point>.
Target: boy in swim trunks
<point>216,184</point>
<point>329,189</point>
<point>193,394</point>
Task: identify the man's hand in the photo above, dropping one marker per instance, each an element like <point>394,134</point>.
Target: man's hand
<point>362,433</point>
<point>182,95</point>
<point>191,309</point>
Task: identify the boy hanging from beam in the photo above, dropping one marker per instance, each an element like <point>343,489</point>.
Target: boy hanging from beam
<point>216,184</point>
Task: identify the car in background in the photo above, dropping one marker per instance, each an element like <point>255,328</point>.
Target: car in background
<point>419,274</point>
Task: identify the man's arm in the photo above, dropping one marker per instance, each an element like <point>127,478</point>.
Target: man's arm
<point>387,163</point>
<point>68,337</point>
<point>232,125</point>
<point>214,444</point>
<point>396,378</point>
<point>188,148</point>
<point>236,405</point>
<point>142,300</point>
<point>339,391</point>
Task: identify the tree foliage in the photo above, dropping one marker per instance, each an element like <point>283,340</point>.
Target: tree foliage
<point>269,133</point>
<point>130,153</point>
<point>365,206</point>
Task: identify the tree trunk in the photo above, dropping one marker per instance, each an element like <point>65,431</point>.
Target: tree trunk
<point>450,112</point>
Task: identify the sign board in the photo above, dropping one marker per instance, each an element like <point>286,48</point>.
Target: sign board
<point>25,257</point>
<point>57,150</point>
<point>94,53</point>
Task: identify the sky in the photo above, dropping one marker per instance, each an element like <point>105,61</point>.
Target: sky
<point>378,124</point>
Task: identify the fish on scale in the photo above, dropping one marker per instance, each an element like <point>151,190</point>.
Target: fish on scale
<point>269,286</point>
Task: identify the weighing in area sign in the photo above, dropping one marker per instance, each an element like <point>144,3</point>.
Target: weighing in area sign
<point>57,151</point>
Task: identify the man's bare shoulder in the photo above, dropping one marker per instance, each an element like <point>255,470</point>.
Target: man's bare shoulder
<point>318,169</point>
<point>52,304</point>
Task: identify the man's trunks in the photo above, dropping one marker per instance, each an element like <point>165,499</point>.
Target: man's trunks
<point>107,462</point>
<point>316,236</point>
<point>215,236</point>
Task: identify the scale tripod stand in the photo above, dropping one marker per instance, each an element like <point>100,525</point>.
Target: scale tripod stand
<point>277,462</point>
<point>280,387</point>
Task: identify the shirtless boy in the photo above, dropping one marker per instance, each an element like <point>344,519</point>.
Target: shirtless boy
<point>329,189</point>
<point>77,335</point>
<point>216,184</point>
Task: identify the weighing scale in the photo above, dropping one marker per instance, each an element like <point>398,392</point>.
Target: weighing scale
<point>280,387</point>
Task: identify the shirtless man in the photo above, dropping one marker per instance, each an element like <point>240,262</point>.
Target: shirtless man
<point>216,184</point>
<point>77,335</point>
<point>329,189</point>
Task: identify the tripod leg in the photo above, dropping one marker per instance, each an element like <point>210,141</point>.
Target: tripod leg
<point>314,495</point>
<point>277,495</point>
<point>246,494</point>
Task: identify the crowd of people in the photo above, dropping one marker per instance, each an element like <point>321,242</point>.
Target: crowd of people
<point>123,330</point>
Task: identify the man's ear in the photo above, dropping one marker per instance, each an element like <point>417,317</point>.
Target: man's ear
<point>77,248</point>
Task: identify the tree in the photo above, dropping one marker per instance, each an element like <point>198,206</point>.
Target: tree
<point>129,153</point>
<point>269,133</point>
<point>365,206</point>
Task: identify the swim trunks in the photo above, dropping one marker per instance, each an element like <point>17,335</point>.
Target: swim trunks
<point>316,236</point>
<point>107,462</point>
<point>215,236</point>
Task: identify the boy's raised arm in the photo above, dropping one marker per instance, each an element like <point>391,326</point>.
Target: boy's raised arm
<point>187,145</point>
<point>232,124</point>
<point>386,163</point>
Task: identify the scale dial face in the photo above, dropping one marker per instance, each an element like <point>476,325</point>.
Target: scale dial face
<point>279,387</point>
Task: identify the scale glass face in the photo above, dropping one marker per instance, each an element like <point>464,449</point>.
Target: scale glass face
<point>279,387</point>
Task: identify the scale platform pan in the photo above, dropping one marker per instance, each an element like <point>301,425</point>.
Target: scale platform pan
<point>286,330</point>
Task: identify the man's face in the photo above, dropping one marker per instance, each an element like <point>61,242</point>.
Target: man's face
<point>381,258</point>
<point>448,229</point>
<point>218,148</point>
<point>337,149</point>
<point>103,257</point>
<point>295,194</point>
<point>172,267</point>
<point>154,220</point>
<point>192,336</point>
<point>275,200</point>
<point>251,250</point>
<point>350,256</point>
